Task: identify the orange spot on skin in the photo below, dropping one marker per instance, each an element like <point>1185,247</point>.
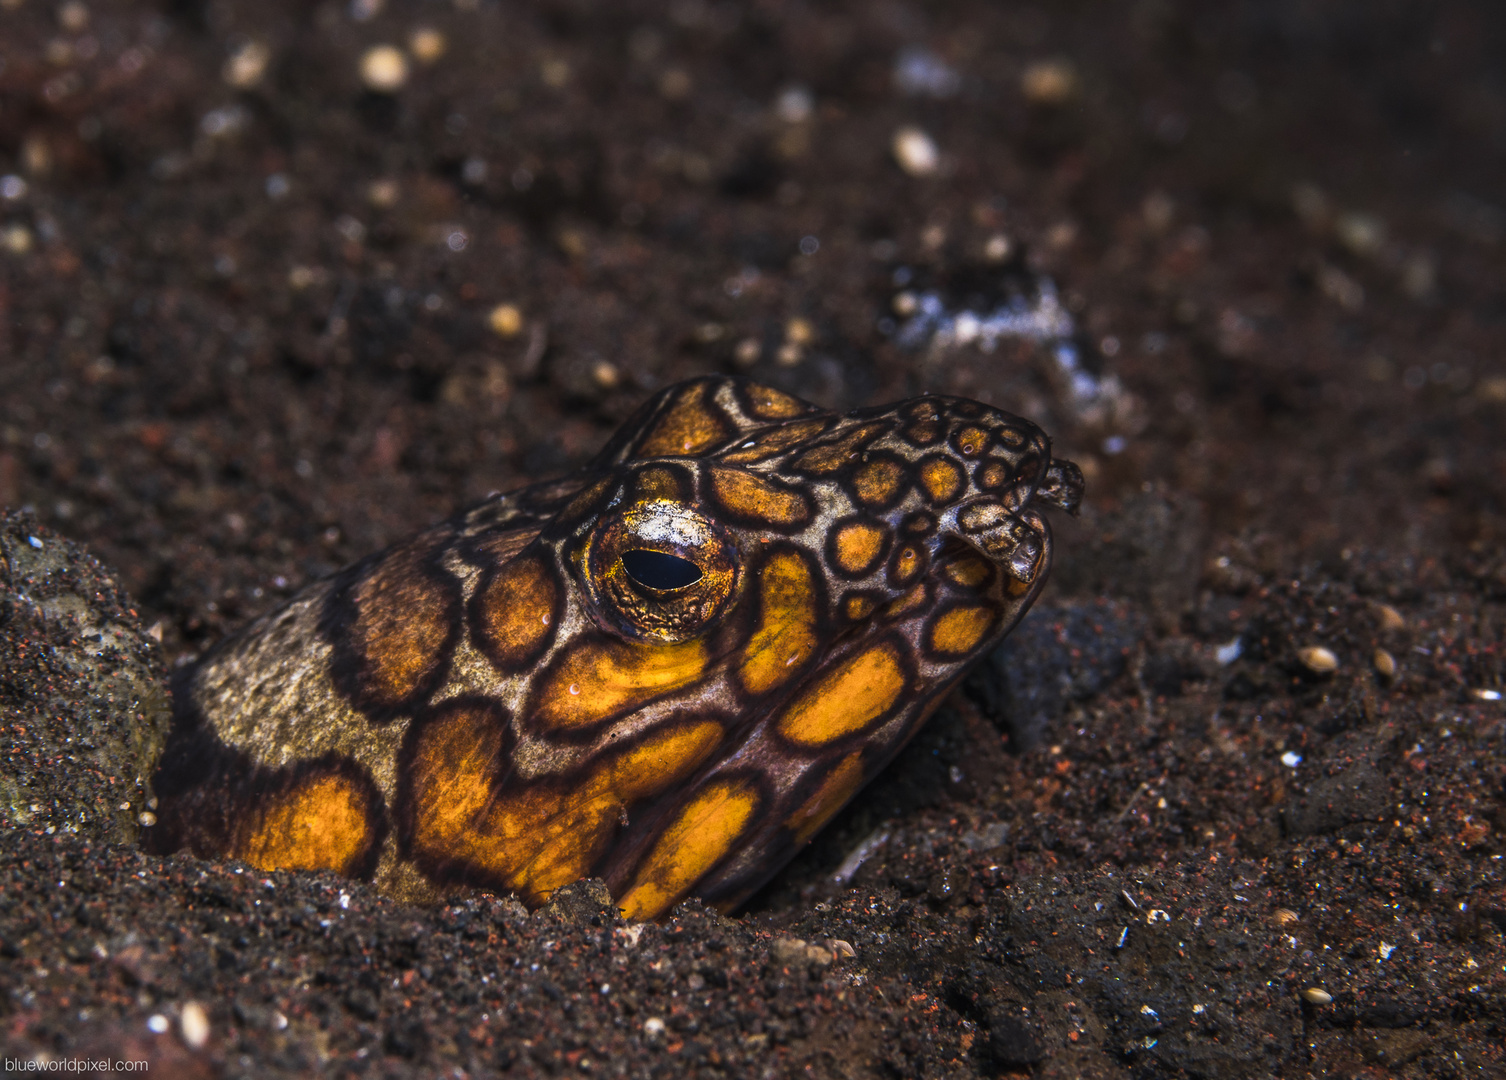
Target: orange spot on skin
<point>514,612</point>
<point>766,403</point>
<point>970,441</point>
<point>846,699</point>
<point>766,444</point>
<point>840,785</point>
<point>786,634</point>
<point>913,599</point>
<point>322,824</point>
<point>612,677</point>
<point>907,563</point>
<point>858,546</point>
<point>858,606</point>
<point>941,479</point>
<point>702,833</point>
<point>878,482</point>
<point>658,484</point>
<point>534,838</point>
<point>751,497</point>
<point>969,571</point>
<point>958,632</point>
<point>404,619</point>
<point>992,476</point>
<point>686,428</point>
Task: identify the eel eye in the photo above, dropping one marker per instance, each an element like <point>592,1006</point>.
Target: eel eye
<point>660,570</point>
<point>657,571</point>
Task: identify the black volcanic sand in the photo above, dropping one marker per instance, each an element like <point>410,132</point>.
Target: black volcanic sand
<point>249,334</point>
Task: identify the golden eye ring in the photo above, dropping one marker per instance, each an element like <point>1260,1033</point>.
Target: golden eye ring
<point>660,570</point>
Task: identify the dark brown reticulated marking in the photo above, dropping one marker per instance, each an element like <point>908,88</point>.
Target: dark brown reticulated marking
<point>752,499</point>
<point>687,427</point>
<point>940,479</point>
<point>766,403</point>
<point>854,547</point>
<point>958,630</point>
<point>516,611</point>
<point>582,506</point>
<point>879,481</point>
<point>772,441</point>
<point>393,629</point>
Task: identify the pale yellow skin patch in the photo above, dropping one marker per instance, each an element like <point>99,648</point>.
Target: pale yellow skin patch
<point>321,825</point>
<point>859,545</point>
<point>704,832</point>
<point>786,634</point>
<point>600,679</point>
<point>958,632</point>
<point>846,700</point>
<point>751,496</point>
<point>839,786</point>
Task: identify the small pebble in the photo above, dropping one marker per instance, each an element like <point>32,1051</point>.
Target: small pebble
<point>157,1024</point>
<point>1390,618</point>
<point>247,65</point>
<point>73,17</point>
<point>653,1026</point>
<point>997,248</point>
<point>1486,695</point>
<point>1314,996</point>
<point>505,320</point>
<point>747,352</point>
<point>1284,916</point>
<point>799,332</point>
<point>1318,660</point>
<point>1385,664</point>
<point>193,1023</point>
<point>605,374</point>
<point>384,69</point>
<point>427,44</point>
<point>147,818</point>
<point>1049,82</point>
<point>16,239</point>
<point>787,950</point>
<point>843,950</point>
<point>382,193</point>
<point>916,152</point>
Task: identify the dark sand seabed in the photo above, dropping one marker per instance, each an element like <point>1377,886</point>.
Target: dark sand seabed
<point>255,323</point>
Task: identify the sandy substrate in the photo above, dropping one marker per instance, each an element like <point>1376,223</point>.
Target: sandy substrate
<point>1231,803</point>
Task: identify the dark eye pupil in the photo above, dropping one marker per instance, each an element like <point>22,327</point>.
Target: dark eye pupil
<point>656,570</point>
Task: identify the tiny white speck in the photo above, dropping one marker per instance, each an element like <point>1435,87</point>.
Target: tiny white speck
<point>34,542</point>
<point>544,618</point>
<point>1291,759</point>
<point>1386,950</point>
<point>157,1024</point>
<point>1227,654</point>
<point>574,689</point>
